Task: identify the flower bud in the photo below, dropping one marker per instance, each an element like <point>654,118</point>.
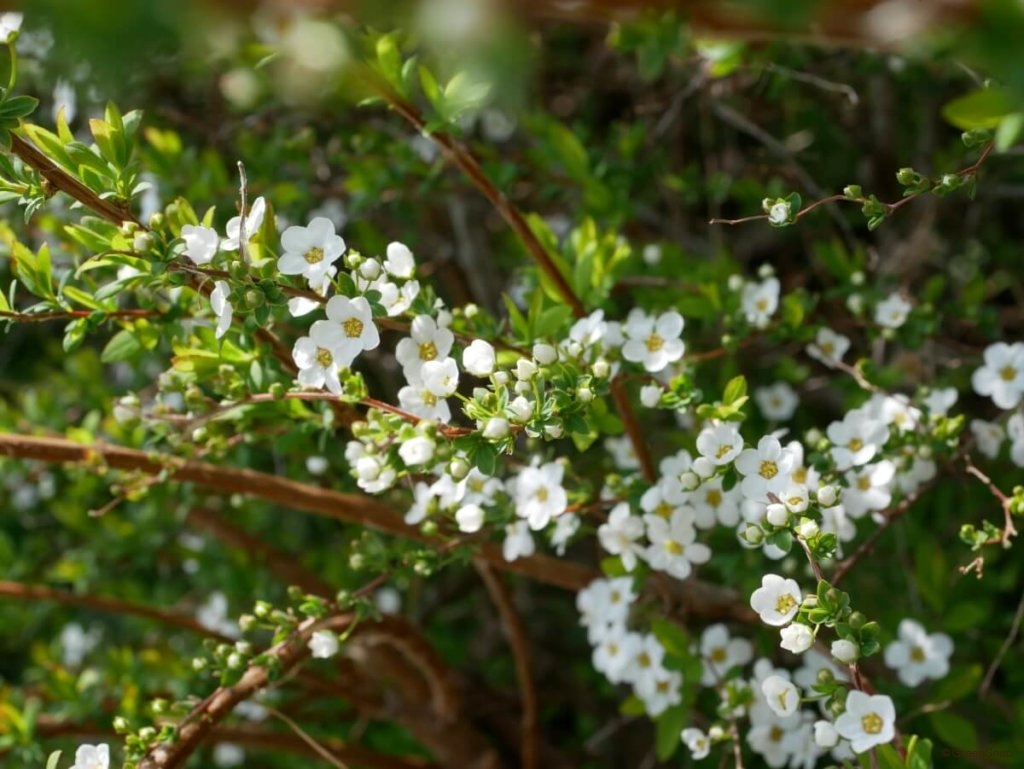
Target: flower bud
<point>650,395</point>
<point>827,496</point>
<point>500,378</point>
<point>703,467</point>
<point>752,534</point>
<point>525,369</point>
<point>777,514</point>
<point>458,468</point>
<point>845,651</point>
<point>601,368</point>
<point>544,354</point>
<point>807,529</point>
<point>689,480</point>
<point>496,428</point>
<point>585,394</point>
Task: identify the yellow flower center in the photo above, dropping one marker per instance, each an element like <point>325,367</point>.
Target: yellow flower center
<point>429,399</point>
<point>768,469</point>
<point>353,328</point>
<point>856,444</point>
<point>324,357</point>
<point>776,734</point>
<point>1007,373</point>
<point>784,603</point>
<point>714,497</point>
<point>428,351</point>
<point>917,654</point>
<point>615,597</point>
<point>654,342</point>
<point>644,660</point>
<point>761,305</point>
<point>664,510</point>
<point>724,449</point>
<point>864,483</point>
<point>662,686</point>
<point>719,655</point>
<point>828,348</point>
<point>315,255</point>
<point>872,723</point>
<point>800,475</point>
<point>542,494</point>
<point>673,548</point>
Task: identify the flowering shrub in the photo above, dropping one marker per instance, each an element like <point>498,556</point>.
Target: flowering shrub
<point>455,487</point>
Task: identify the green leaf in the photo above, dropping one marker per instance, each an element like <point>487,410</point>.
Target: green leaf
<point>671,636</point>
<point>888,758</point>
<point>668,727</point>
<point>121,347</point>
<point>919,753</point>
<point>1009,131</point>
<point>632,706</point>
<point>429,84</point>
<point>18,107</point>
<point>53,760</point>
<point>984,108</point>
<point>734,390</point>
<point>954,730</point>
<point>389,59</point>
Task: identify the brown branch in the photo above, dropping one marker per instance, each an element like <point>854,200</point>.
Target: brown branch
<point>28,592</point>
<point>516,635</point>
<point>116,212</point>
<point>219,705</point>
<point>699,598</point>
<point>36,317</point>
<point>1009,530</point>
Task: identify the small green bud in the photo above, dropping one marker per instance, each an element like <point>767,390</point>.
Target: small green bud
<point>238,270</point>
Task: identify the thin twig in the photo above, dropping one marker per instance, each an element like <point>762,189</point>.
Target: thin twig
<point>1009,530</point>
<point>516,635</point>
<point>315,746</point>
<point>990,674</point>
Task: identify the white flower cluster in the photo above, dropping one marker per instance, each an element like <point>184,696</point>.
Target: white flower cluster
<point>621,655</point>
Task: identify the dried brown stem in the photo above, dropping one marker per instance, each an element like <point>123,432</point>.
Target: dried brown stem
<point>516,635</point>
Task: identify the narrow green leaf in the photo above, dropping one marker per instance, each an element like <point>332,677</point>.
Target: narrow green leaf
<point>983,108</point>
<point>121,347</point>
<point>18,107</point>
<point>734,390</point>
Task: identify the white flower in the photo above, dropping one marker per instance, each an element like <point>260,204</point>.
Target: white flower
<point>659,691</point>
<point>777,600</point>
<point>1002,375</point>
<point>720,444</point>
<point>395,299</point>
<point>796,638</point>
<point>441,377</point>
<point>614,651</point>
<point>892,312</point>
<point>470,518</point>
<point>828,347</point>
<point>989,437</point>
<point>310,251</point>
<point>539,495</point>
<point>91,756</point>
<point>856,439</point>
<point>868,721</point>
<point>781,695</point>
<point>518,542</point>
<point>356,320</point>
<point>10,23</point>
<point>221,305</point>
<point>252,224</point>
<point>316,356</point>
<point>760,300</point>
<point>400,262</point>
<point>917,656</point>
<point>544,354</point>
<point>620,534</point>
<point>427,341</point>
<point>566,525</point>
<point>478,359</point>
<point>825,734</point>
<point>201,243</point>
<point>845,651</point>
<point>417,451</point>
<point>418,400</point>
<point>868,488</point>
<point>228,754</point>
<point>777,402</point>
<point>697,742</point>
<point>301,305</point>
<point>940,401</point>
<point>720,653</point>
<point>653,341</point>
<point>76,643</point>
<point>650,395</point>
<point>766,469</point>
<point>673,545</point>
<point>779,213</point>
<point>323,644</point>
